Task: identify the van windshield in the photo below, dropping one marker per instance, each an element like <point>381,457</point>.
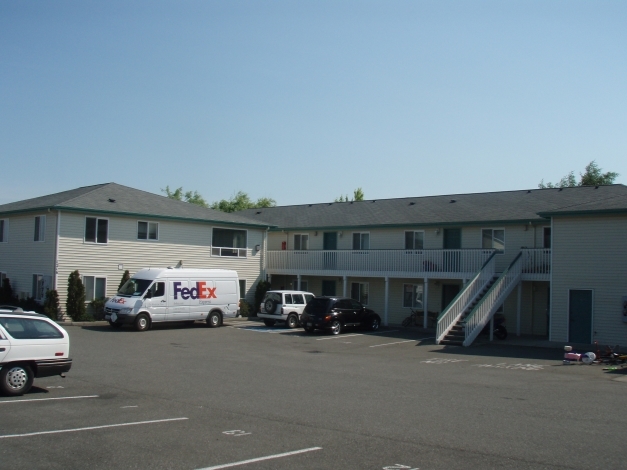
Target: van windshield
<point>134,287</point>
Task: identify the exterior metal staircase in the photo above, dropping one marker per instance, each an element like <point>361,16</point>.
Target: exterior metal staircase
<point>471,310</point>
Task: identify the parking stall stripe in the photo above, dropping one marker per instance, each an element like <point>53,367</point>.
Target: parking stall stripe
<point>91,428</point>
<point>48,399</point>
<point>398,342</point>
<point>259,459</point>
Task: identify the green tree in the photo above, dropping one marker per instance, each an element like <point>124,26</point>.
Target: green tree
<point>358,195</point>
<point>75,303</point>
<point>241,201</point>
<point>125,277</point>
<point>6,292</point>
<point>52,308</point>
<point>592,176</point>
<point>193,197</point>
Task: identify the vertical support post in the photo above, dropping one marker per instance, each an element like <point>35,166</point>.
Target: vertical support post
<point>345,282</point>
<point>387,298</point>
<point>298,276</point>
<point>492,328</point>
<point>518,308</point>
<point>425,302</point>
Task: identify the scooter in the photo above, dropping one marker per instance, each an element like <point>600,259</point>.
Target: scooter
<point>499,327</point>
<point>571,356</point>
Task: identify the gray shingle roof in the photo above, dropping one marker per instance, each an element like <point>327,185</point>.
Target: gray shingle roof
<point>503,207</point>
<point>114,198</point>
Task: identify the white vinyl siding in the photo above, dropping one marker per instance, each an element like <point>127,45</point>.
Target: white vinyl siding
<point>189,242</point>
<point>4,230</point>
<point>40,228</point>
<point>590,253</point>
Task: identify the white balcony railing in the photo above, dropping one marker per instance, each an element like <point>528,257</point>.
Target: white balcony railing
<point>419,263</point>
<point>536,264</point>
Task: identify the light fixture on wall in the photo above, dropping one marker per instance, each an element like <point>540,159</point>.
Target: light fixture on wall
<point>316,233</point>
<point>257,247</point>
<point>437,231</point>
<point>341,233</point>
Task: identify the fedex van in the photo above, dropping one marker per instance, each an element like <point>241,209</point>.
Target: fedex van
<point>156,295</point>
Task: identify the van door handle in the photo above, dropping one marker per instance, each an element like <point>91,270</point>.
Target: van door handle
<point>2,349</point>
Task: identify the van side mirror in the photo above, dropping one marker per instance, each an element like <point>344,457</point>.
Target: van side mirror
<point>148,295</point>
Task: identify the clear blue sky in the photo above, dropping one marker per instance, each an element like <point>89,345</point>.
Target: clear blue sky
<point>303,101</point>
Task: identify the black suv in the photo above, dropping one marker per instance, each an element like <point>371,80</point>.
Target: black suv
<point>336,313</point>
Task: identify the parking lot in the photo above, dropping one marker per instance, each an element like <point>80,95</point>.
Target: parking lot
<point>248,396</point>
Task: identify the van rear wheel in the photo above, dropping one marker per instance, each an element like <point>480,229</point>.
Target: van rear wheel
<point>214,320</point>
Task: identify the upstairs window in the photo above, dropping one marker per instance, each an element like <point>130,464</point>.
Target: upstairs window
<point>414,240</point>
<point>301,241</point>
<point>361,241</point>
<point>229,242</point>
<point>96,230</point>
<point>546,235</point>
<point>4,230</point>
<point>147,231</point>
<point>40,228</point>
<point>493,238</point>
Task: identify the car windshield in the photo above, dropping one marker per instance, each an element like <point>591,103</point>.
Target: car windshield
<point>134,287</point>
<point>317,306</point>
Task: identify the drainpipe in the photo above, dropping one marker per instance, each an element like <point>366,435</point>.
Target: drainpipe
<point>425,302</point>
<point>55,281</point>
<point>387,297</point>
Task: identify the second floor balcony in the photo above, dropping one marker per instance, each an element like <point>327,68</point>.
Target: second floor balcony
<point>436,264</point>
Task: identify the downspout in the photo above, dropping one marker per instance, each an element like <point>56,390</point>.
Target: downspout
<point>551,283</point>
<point>56,253</point>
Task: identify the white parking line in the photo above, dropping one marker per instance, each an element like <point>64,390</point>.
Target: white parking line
<point>356,334</point>
<point>47,399</point>
<point>398,342</point>
<point>259,459</point>
<point>7,436</point>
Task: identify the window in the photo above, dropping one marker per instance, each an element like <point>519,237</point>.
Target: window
<point>156,290</point>
<point>29,328</point>
<point>493,238</point>
<point>40,228</point>
<point>298,299</point>
<point>147,231</point>
<point>96,230</point>
<point>242,288</point>
<point>228,242</point>
<point>412,296</point>
<point>38,290</point>
<point>361,241</point>
<point>546,237</point>
<point>4,230</point>
<point>301,241</point>
<point>95,287</point>
<point>359,291</point>
<point>303,285</point>
<point>414,240</point>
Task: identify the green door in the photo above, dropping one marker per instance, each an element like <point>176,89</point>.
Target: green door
<point>452,240</point>
<point>328,288</point>
<point>580,316</point>
<point>329,244</point>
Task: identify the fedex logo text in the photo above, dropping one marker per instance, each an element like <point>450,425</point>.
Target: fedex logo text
<point>201,291</point>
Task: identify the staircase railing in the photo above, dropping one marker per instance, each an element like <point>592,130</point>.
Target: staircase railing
<point>490,302</point>
<point>451,314</point>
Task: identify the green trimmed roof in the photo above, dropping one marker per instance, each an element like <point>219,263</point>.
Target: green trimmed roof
<point>112,198</point>
<point>532,205</point>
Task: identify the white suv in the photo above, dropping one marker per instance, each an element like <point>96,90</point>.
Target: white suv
<point>284,305</point>
<point>31,345</point>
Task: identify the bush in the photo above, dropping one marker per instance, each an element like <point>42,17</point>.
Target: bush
<point>260,291</point>
<point>245,308</point>
<point>75,304</point>
<point>51,305</point>
<point>125,277</point>
<point>6,292</point>
<point>98,308</point>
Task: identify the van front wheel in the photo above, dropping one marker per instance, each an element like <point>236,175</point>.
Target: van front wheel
<point>142,322</point>
<point>213,320</point>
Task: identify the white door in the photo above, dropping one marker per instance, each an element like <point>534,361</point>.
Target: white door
<point>5,345</point>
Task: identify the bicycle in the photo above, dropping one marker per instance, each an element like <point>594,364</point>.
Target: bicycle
<point>411,319</point>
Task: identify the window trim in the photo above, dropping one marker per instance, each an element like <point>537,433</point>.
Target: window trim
<point>4,236</point>
<point>413,300</point>
<point>217,250</point>
<point>301,235</point>
<point>40,235</point>
<point>95,242</point>
<point>498,252</point>
<point>367,284</point>
<point>95,276</point>
<point>360,241</point>
<point>414,239</point>
<point>242,295</point>
<point>147,239</point>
